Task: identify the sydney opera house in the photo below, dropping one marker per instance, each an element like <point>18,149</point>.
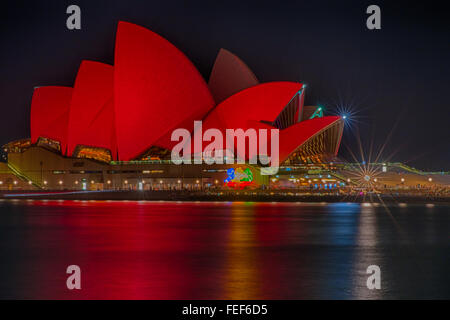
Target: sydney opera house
<point>112,129</point>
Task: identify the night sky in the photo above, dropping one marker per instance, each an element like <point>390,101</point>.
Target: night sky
<point>393,78</point>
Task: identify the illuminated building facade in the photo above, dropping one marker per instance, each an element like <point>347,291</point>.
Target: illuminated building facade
<point>113,128</point>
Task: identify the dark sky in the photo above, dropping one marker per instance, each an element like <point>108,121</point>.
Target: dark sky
<point>397,77</point>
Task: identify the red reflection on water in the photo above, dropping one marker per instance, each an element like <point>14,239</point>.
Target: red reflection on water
<point>127,250</point>
<point>169,250</point>
<point>156,250</point>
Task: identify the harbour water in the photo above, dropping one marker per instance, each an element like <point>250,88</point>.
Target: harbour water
<point>223,250</point>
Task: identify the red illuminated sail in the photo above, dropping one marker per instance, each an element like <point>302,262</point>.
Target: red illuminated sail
<point>91,120</point>
<point>156,89</point>
<point>50,114</point>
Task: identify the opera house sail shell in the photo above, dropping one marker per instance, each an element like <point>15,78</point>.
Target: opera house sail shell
<point>229,76</point>
<point>156,90</point>
<point>128,111</point>
<point>91,118</point>
<point>310,139</point>
<point>50,108</point>
<point>262,103</point>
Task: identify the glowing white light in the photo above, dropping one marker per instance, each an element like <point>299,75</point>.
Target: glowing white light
<point>60,182</point>
<point>109,182</point>
<point>430,179</point>
<point>29,182</point>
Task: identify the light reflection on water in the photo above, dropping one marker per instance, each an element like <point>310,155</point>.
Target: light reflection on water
<point>241,250</point>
